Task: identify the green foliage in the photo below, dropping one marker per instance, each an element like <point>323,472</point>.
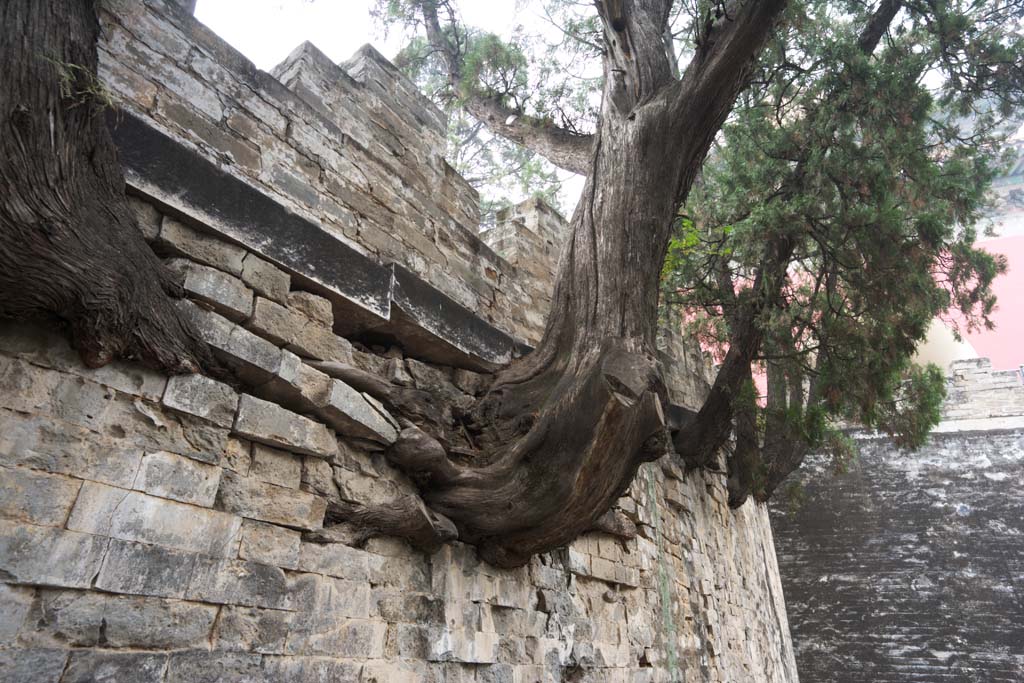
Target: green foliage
<point>866,168</point>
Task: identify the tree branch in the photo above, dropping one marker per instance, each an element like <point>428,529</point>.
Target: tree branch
<point>565,149</point>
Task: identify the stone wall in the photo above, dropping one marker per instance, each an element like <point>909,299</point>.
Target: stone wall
<point>909,568</point>
<point>171,529</point>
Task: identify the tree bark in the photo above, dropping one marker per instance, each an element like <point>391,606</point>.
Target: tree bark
<point>69,245</point>
<point>567,426</point>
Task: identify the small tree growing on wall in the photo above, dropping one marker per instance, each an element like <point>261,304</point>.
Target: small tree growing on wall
<point>559,436</point>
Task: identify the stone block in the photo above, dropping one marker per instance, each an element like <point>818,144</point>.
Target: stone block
<point>225,293</point>
<point>147,218</point>
<point>315,341</point>
<point>314,307</point>
<point>238,582</point>
<point>275,466</point>
<point>169,475</point>
<point>269,544</point>
<point>271,424</point>
<point>36,497</point>
<point>32,665</point>
<point>253,359</point>
<point>203,397</point>
<point>274,322</point>
<point>323,602</point>
<point>135,516</point>
<point>91,619</point>
<point>44,345</point>
<point>55,446</point>
<point>318,478</point>
<point>325,669</point>
<point>458,645</point>
<point>270,503</point>
<point>251,629</point>
<point>115,667</point>
<point>177,238</point>
<point>356,638</point>
<point>15,602</point>
<point>296,386</point>
<point>267,280</point>
<point>140,569</point>
<point>335,559</point>
<point>349,412</point>
<point>215,667</point>
<point>44,556</point>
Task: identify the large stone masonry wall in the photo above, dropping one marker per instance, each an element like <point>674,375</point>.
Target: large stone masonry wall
<point>909,568</point>
<point>161,529</point>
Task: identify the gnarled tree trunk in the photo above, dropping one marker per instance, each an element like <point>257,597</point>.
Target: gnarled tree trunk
<point>69,246</point>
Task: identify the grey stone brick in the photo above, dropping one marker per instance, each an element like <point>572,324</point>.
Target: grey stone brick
<point>32,665</point>
<point>252,629</point>
<point>267,280</point>
<point>169,475</point>
<point>178,238</point>
<point>115,667</point>
<point>318,478</point>
<point>323,602</point>
<point>271,424</point>
<point>238,582</point>
<point>318,342</point>
<point>270,503</point>
<point>349,412</point>
<point>227,294</point>
<point>237,456</point>
<point>348,638</point>
<point>314,307</point>
<point>275,466</point>
<point>255,360</point>
<point>36,497</point>
<point>15,602</point>
<point>292,668</point>
<point>91,619</point>
<point>147,217</point>
<point>141,569</point>
<point>296,385</point>
<point>274,322</point>
<point>55,446</point>
<point>335,559</point>
<point>135,516</point>
<point>269,544</point>
<point>203,397</point>
<point>45,556</point>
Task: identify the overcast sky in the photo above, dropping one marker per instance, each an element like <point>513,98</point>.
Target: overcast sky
<point>265,31</point>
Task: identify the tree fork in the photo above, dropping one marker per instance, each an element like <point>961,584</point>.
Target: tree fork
<point>69,244</point>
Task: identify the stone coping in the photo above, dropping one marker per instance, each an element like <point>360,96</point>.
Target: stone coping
<point>385,299</point>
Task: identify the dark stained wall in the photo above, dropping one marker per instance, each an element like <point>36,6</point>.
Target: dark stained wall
<point>910,568</point>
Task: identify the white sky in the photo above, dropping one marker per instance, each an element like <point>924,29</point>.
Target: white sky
<point>265,31</point>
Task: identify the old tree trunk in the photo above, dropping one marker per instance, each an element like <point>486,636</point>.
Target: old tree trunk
<point>69,246</point>
<point>562,432</point>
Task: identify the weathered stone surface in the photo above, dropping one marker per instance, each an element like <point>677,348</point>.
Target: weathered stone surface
<point>38,665</point>
<point>134,516</point>
<point>314,307</point>
<point>477,647</point>
<point>238,582</point>
<point>225,293</point>
<point>267,280</point>
<point>237,456</point>
<point>47,347</point>
<point>351,413</point>
<point>141,569</point>
<point>15,602</point>
<point>178,238</point>
<point>269,544</point>
<point>250,629</point>
<point>271,424</point>
<point>275,466</point>
<point>352,638</point>
<point>270,503</point>
<point>255,360</point>
<point>215,667</point>
<point>169,475</point>
<point>56,446</point>
<point>147,217</point>
<point>335,559</point>
<point>312,669</point>
<point>87,619</point>
<point>115,667</point>
<point>36,497</point>
<point>274,322</point>
<point>46,556</point>
<point>323,602</point>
